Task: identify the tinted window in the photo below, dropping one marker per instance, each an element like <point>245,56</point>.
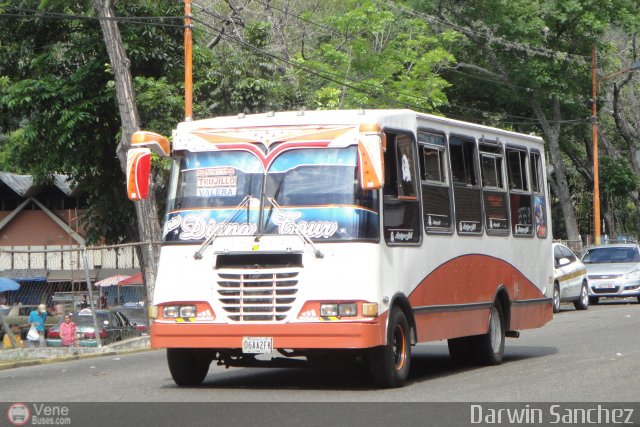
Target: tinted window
<point>401,216</point>
<point>436,194</point>
<point>467,194</point>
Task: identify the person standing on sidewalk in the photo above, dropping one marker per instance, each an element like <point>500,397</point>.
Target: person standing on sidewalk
<point>68,332</point>
<point>37,319</point>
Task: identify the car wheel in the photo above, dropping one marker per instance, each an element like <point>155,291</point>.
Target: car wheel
<point>188,367</point>
<point>556,298</point>
<point>389,364</point>
<point>593,300</point>
<point>583,302</point>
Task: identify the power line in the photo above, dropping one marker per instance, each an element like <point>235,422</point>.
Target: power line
<point>540,51</point>
<point>145,20</point>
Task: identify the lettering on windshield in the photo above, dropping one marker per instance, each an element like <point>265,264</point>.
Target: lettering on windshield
<point>216,182</point>
<point>197,227</point>
<point>312,229</point>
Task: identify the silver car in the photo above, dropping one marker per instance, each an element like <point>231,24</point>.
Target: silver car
<point>613,270</point>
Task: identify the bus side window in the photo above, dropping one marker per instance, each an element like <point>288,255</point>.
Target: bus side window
<point>493,189</point>
<point>401,215</point>
<point>539,198</point>
<point>519,192</point>
<point>467,193</point>
<point>434,173</point>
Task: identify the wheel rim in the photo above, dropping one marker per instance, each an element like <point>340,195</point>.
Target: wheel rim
<point>399,347</point>
<point>556,298</point>
<point>495,327</point>
<point>584,295</point>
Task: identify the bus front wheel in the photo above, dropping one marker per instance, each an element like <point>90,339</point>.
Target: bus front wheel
<point>389,364</point>
<point>188,366</point>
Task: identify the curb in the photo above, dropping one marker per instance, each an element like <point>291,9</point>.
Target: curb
<point>35,362</point>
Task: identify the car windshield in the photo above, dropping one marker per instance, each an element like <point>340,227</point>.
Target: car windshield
<point>133,313</point>
<point>611,255</point>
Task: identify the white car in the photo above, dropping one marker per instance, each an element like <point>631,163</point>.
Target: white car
<point>614,271</point>
<point>570,281</point>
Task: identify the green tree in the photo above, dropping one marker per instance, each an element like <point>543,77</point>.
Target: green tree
<point>58,99</point>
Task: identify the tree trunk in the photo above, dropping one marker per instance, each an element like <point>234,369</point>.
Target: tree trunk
<point>146,211</point>
<point>552,137</point>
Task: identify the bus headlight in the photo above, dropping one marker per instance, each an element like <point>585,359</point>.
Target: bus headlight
<point>171,311</point>
<point>339,310</point>
<point>327,310</point>
<point>188,311</point>
<point>347,310</point>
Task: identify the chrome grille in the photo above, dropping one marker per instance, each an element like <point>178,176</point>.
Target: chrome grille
<point>257,297</point>
<point>604,276</point>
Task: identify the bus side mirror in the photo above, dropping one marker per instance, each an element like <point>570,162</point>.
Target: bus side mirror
<point>138,173</point>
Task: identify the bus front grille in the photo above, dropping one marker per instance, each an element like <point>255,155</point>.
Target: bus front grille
<point>257,297</point>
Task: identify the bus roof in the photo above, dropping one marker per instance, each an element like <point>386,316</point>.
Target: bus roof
<point>392,119</point>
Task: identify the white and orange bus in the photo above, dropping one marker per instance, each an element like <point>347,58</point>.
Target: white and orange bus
<point>346,233</point>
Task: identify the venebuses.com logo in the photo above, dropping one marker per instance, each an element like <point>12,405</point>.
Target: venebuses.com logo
<point>18,414</point>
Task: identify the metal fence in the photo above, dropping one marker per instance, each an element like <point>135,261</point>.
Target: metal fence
<point>66,278</point>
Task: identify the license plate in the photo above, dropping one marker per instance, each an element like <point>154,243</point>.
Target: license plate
<point>257,345</point>
<point>604,285</point>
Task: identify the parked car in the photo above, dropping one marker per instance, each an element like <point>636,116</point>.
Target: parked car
<point>137,315</point>
<point>613,270</point>
<point>113,325</point>
<point>570,281</point>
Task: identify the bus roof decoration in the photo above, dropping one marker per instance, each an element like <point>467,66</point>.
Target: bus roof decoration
<point>156,143</point>
<point>138,173</point>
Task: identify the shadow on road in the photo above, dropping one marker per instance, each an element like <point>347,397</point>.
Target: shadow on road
<point>428,363</point>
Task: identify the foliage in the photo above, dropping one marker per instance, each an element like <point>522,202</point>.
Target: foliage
<point>60,101</point>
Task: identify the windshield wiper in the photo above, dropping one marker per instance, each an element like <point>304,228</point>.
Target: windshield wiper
<point>210,239</point>
<point>304,238</point>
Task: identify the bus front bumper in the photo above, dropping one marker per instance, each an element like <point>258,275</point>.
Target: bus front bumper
<point>326,335</point>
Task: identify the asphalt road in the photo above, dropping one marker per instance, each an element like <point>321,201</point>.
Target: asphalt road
<point>580,356</point>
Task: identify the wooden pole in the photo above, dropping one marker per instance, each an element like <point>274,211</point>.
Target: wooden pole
<point>594,120</point>
<point>188,83</point>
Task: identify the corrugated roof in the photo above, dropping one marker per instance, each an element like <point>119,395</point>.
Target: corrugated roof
<point>23,184</point>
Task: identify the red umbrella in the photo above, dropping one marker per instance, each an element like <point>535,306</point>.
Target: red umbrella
<point>112,280</point>
<point>136,279</point>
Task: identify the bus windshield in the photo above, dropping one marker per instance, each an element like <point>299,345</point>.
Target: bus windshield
<point>315,190</point>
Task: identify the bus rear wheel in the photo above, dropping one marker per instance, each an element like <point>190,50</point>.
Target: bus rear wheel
<point>389,364</point>
<point>489,348</point>
<point>485,349</point>
<point>188,366</point>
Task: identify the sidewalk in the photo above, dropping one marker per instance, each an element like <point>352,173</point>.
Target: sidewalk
<point>37,356</point>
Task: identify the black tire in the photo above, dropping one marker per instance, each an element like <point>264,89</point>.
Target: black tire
<point>188,367</point>
<point>556,298</point>
<point>390,364</point>
<point>583,301</point>
<point>488,349</point>
<point>594,300</point>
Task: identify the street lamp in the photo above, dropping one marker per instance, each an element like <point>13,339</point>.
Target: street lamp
<point>594,120</point>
